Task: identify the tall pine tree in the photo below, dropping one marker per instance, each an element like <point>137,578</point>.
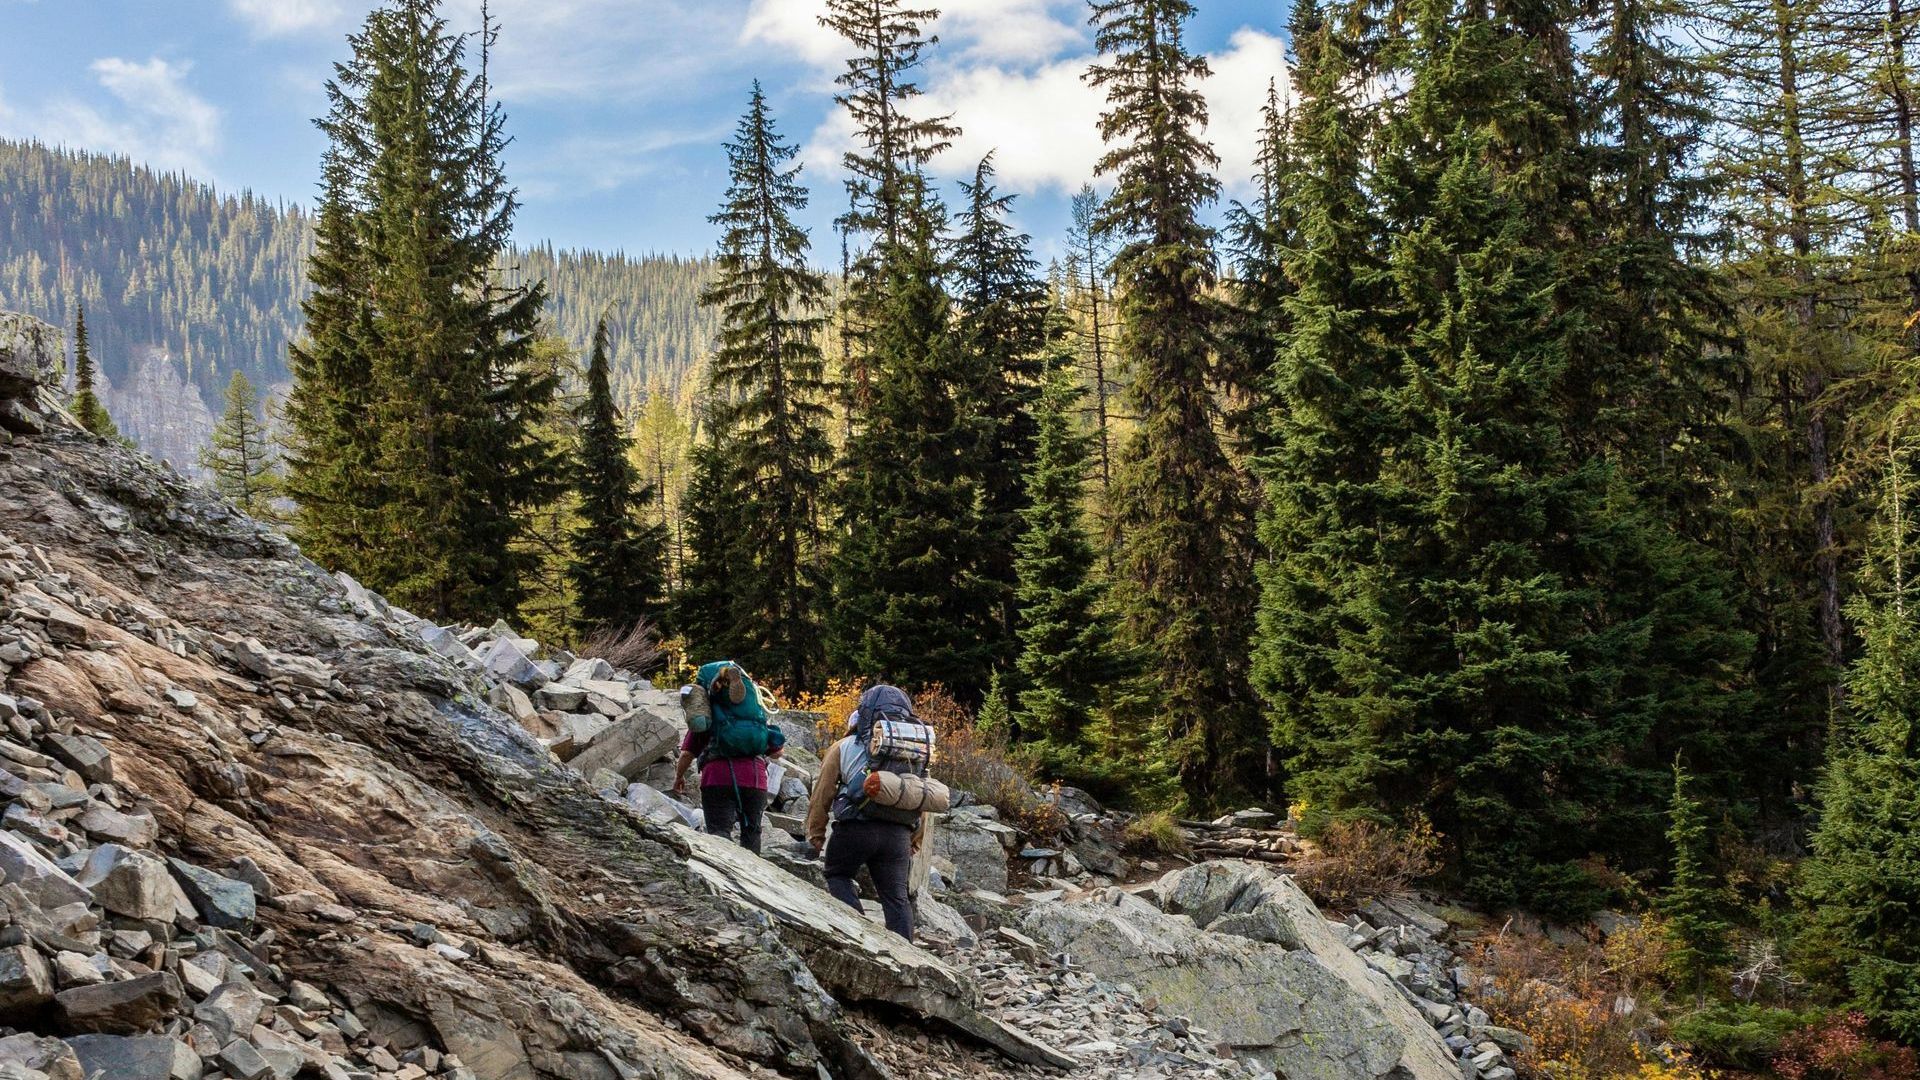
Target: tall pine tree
<point>1695,903</point>
<point>619,558</point>
<point>444,457</point>
<point>240,455</point>
<point>1183,563</point>
<point>769,381</point>
<point>86,401</point>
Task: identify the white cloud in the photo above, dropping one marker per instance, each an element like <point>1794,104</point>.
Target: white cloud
<point>155,119</point>
<point>998,32</point>
<point>276,18</point>
<point>592,163</point>
<point>601,50</point>
<point>1236,92</point>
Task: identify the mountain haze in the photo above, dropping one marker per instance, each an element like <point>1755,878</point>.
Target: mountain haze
<point>185,284</point>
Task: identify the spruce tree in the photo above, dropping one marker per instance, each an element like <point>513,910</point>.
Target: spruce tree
<point>86,404</point>
<point>1695,903</point>
<point>1069,658</point>
<point>443,458</point>
<point>1182,561</point>
<point>707,613</point>
<point>1089,265</point>
<point>1858,890</point>
<point>618,568</point>
<point>240,456</point>
<point>1261,233</point>
<point>1003,324</point>
<point>768,378</point>
<point>910,604</point>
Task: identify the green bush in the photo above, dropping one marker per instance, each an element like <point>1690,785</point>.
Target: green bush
<point>1739,1035</point>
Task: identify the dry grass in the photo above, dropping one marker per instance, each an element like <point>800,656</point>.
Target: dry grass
<point>1158,833</point>
<point>636,649</point>
<point>1357,861</point>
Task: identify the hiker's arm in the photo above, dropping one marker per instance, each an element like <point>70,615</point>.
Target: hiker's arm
<point>680,768</point>
<point>820,803</point>
<point>920,833</point>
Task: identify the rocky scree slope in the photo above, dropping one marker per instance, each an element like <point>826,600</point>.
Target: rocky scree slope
<point>259,824</point>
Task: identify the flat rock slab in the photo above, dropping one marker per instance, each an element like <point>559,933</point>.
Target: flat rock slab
<point>141,1057</point>
<point>127,1008</point>
<point>221,901</point>
<point>49,886</point>
<point>854,958</point>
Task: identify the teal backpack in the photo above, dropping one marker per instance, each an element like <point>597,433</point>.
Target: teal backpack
<point>739,728</point>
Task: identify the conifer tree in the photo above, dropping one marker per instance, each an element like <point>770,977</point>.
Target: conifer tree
<point>1857,891</point>
<point>1089,265</point>
<point>910,604</point>
<point>86,402</point>
<point>443,458</point>
<point>1069,658</point>
<point>1003,324</point>
<point>1696,905</point>
<point>241,457</point>
<point>769,381</point>
<point>1261,234</point>
<point>707,609</point>
<point>618,569</point>
<point>1183,563</point>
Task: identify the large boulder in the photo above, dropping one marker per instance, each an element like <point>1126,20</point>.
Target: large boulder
<point>971,846</point>
<point>1294,997</point>
<point>146,1057</point>
<point>635,741</point>
<point>32,355</point>
<point>22,864</point>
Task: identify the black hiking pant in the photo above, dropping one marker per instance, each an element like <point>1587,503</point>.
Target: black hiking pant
<point>724,806</point>
<point>885,848</point>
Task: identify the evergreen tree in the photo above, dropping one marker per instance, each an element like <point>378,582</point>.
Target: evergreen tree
<point>86,403</point>
<point>241,456</point>
<point>1003,324</point>
<point>769,396</point>
<point>440,458</point>
<point>1089,265</point>
<point>910,604</point>
<point>1183,565</point>
<point>1857,891</point>
<point>618,569</point>
<point>1069,659</point>
<point>1261,234</point>
<point>707,611</point>
<point>1695,904</point>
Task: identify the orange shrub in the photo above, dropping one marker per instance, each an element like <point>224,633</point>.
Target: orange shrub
<point>1356,861</point>
<point>1568,1001</point>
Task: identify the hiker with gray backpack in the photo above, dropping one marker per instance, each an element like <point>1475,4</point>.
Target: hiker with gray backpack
<point>729,734</point>
<point>875,792</point>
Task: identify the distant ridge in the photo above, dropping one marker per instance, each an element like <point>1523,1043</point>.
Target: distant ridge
<point>177,273</point>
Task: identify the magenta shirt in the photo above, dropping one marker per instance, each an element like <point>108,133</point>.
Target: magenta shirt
<point>749,773</point>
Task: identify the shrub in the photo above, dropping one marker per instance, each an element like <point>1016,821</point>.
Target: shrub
<point>834,705</point>
<point>636,649</point>
<point>1840,1047</point>
<point>1738,1035</point>
<point>1360,860</point>
<point>980,763</point>
<point>1568,1001</point>
<point>1157,833</point>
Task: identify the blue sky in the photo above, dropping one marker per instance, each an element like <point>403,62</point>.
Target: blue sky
<point>618,107</point>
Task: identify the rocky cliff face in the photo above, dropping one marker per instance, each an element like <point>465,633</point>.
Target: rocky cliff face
<point>259,824</point>
<point>159,410</point>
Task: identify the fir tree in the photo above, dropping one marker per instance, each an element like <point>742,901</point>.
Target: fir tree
<point>769,395</point>
<point>1003,324</point>
<point>1857,891</point>
<point>618,569</point>
<point>1261,233</point>
<point>911,607</point>
<point>707,611</point>
<point>86,404</point>
<point>1089,265</point>
<point>241,456</point>
<point>1069,659</point>
<point>442,458</point>
<point>1695,904</point>
<point>1183,565</point>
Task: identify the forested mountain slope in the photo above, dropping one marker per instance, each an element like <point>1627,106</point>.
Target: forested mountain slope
<point>184,285</point>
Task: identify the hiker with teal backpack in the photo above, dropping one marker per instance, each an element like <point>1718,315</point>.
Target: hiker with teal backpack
<point>729,734</point>
<point>874,789</point>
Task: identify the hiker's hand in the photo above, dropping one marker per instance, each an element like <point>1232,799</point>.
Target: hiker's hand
<point>679,789</point>
<point>813,850</point>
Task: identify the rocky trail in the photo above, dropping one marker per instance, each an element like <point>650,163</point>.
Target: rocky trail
<point>258,824</point>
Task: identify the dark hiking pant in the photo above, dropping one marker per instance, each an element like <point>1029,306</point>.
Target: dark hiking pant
<point>885,849</point>
<point>725,806</point>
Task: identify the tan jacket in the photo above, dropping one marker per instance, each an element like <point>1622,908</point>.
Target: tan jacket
<point>820,805</point>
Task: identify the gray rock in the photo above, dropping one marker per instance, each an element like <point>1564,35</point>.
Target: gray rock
<point>975,852</point>
<point>25,980</point>
<point>22,864</point>
<point>635,741</point>
<point>245,869</point>
<point>267,664</point>
<point>32,355</point>
<point>130,883</point>
<point>559,698</point>
<point>504,660</point>
<point>84,754</point>
<point>651,804</point>
<point>587,669</point>
<point>1305,1008</point>
<point>240,1060</point>
<point>148,1057</point>
<point>43,1054</point>
<point>221,901</point>
<point>103,822</point>
<point>232,1009</point>
<point>124,1008</point>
